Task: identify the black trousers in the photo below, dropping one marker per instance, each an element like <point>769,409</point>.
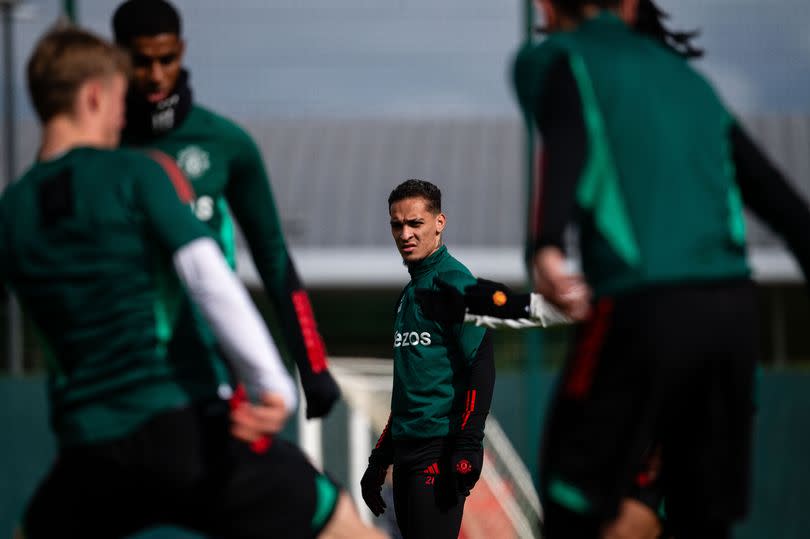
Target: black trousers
<point>426,501</point>
<point>182,468</point>
<point>671,365</point>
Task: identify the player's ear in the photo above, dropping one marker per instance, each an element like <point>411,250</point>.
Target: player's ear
<point>89,96</point>
<point>441,222</point>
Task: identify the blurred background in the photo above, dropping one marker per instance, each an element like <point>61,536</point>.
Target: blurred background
<point>347,99</point>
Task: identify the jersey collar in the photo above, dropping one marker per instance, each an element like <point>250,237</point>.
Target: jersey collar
<point>425,266</point>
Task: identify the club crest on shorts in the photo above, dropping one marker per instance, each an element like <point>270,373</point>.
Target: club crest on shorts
<point>194,161</point>
<point>463,466</point>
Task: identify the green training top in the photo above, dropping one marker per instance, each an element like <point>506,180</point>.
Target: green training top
<point>228,175</point>
<point>657,190</point>
<point>431,360</point>
<point>86,242</point>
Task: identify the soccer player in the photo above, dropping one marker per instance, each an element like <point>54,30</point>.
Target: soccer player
<point>102,250</point>
<point>444,376</point>
<point>228,175</point>
<point>643,156</point>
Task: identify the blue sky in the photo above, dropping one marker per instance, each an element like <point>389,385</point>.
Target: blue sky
<point>254,58</point>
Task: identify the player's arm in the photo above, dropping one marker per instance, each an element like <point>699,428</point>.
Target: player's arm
<point>766,191</point>
<point>211,284</point>
<point>251,200</point>
<point>554,105</point>
<point>382,456</point>
<point>468,452</point>
<point>489,304</point>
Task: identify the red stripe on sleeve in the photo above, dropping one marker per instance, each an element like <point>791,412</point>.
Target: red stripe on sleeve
<point>316,351</point>
<point>181,184</point>
<point>470,408</point>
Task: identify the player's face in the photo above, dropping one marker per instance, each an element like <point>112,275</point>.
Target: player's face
<point>417,231</point>
<point>156,61</point>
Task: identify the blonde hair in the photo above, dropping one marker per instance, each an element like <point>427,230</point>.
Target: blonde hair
<point>64,59</point>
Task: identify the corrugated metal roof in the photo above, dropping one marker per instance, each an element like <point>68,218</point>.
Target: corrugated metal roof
<point>332,177</point>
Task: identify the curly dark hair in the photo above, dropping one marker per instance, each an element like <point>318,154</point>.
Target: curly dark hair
<point>138,18</point>
<point>650,22</point>
<point>418,188</point>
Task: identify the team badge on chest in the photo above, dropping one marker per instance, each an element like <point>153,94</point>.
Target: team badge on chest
<point>194,161</point>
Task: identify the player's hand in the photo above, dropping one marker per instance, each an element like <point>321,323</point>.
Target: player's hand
<point>371,488</point>
<point>445,304</point>
<point>467,466</point>
<point>251,422</point>
<point>635,521</point>
<point>553,281</point>
<point>321,393</point>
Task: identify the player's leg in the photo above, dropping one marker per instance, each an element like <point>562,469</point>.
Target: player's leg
<point>346,524</point>
<point>602,414</point>
<point>427,502</point>
<point>86,494</point>
<point>636,520</point>
<point>271,493</point>
<point>640,510</point>
<point>707,448</point>
<point>402,506</point>
<point>115,488</point>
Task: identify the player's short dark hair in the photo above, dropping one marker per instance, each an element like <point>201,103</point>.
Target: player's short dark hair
<point>138,18</point>
<point>650,21</point>
<point>418,189</point>
<point>63,60</point>
<point>574,7</point>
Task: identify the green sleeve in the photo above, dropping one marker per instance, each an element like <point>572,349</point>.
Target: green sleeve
<point>529,70</point>
<point>467,336</point>
<point>523,80</point>
<point>251,201</point>
<point>164,196</point>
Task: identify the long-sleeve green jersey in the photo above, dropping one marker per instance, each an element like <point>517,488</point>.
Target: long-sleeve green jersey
<point>86,244</point>
<point>649,169</point>
<point>431,360</point>
<point>228,175</point>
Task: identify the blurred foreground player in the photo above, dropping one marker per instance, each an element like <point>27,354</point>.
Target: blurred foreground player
<point>228,175</point>
<point>444,375</point>
<point>642,155</point>
<point>102,250</point>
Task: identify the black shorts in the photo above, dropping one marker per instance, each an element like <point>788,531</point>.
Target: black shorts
<point>672,365</point>
<point>426,500</point>
<point>183,468</point>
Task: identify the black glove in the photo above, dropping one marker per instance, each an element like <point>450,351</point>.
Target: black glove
<point>371,486</point>
<point>489,298</point>
<point>445,305</point>
<point>484,298</point>
<point>321,392</point>
<point>467,461</point>
<point>308,351</point>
